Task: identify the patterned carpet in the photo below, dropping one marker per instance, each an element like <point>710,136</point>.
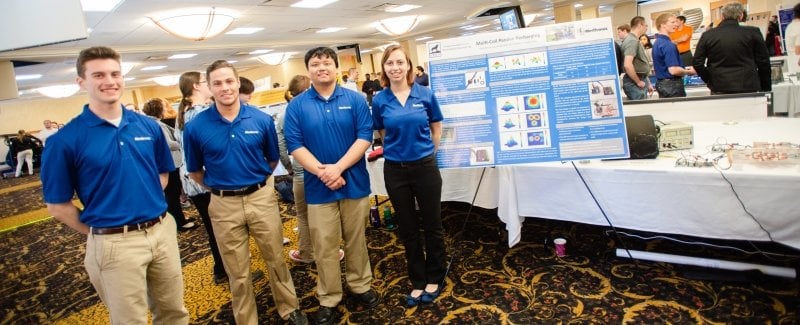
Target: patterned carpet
<point>488,283</point>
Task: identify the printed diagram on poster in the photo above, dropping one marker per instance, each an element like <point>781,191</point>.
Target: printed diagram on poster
<point>529,95</point>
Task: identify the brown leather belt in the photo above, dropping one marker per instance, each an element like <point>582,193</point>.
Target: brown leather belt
<point>240,192</point>
<point>131,227</point>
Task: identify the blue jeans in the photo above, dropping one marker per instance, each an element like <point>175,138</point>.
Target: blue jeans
<point>670,88</point>
<point>632,90</point>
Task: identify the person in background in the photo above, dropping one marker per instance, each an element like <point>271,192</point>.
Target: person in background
<point>155,109</point>
<point>409,119</point>
<point>732,58</point>
<point>50,128</point>
<point>24,144</point>
<point>195,97</point>
<point>246,90</point>
<point>351,82</point>
<point>682,37</point>
<point>232,148</point>
<point>276,85</point>
<point>328,130</point>
<point>793,41</point>
<point>622,32</point>
<point>773,38</point>
<point>304,252</point>
<point>422,77</point>
<point>669,69</point>
<point>635,83</point>
<point>117,161</point>
<point>648,49</point>
<point>170,114</point>
<point>370,87</point>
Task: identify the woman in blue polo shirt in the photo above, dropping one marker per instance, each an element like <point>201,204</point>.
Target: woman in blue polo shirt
<point>409,119</point>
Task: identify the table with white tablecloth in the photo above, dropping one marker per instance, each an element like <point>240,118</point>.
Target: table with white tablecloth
<point>785,97</point>
<point>649,195</point>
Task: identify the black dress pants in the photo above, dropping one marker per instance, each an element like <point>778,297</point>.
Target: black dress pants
<point>421,233</point>
<point>201,202</point>
<point>173,195</point>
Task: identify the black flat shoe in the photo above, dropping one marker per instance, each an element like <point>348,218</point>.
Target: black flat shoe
<point>325,315</point>
<point>367,299</point>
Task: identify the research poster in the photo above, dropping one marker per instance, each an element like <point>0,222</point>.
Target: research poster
<point>536,94</point>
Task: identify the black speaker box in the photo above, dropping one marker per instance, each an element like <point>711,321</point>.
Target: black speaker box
<point>642,136</point>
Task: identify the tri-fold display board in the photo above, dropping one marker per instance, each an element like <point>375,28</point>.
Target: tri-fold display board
<point>536,94</point>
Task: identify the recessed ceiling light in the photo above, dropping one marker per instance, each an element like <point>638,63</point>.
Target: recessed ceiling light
<point>401,8</point>
<point>424,38</point>
<point>154,67</point>
<point>577,5</point>
<point>245,30</point>
<point>99,5</point>
<point>259,52</point>
<point>313,3</point>
<point>129,78</point>
<point>330,30</point>
<point>28,76</point>
<point>182,56</point>
<point>232,61</point>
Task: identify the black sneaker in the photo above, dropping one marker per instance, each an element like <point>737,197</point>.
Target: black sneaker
<point>297,317</point>
<point>367,299</point>
<point>220,278</point>
<point>325,315</point>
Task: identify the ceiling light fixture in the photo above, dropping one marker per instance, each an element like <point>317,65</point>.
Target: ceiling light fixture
<point>330,30</point>
<point>59,91</point>
<point>274,58</point>
<point>398,25</point>
<point>259,52</point>
<point>196,24</point>
<point>424,38</point>
<point>28,76</point>
<point>244,30</point>
<point>154,67</point>
<point>167,80</point>
<point>99,5</point>
<point>182,56</point>
<point>126,67</point>
<point>577,5</point>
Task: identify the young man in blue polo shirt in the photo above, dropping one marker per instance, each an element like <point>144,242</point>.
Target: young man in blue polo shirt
<point>667,61</point>
<point>232,148</point>
<point>328,129</point>
<point>117,162</point>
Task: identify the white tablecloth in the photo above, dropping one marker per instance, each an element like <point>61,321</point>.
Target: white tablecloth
<point>654,195</point>
<point>648,195</point>
<point>785,97</point>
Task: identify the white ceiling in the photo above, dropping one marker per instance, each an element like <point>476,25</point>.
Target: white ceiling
<point>128,30</point>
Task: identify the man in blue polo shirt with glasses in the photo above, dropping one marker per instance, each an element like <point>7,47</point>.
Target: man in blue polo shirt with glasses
<point>117,162</point>
<point>328,129</point>
<point>232,148</point>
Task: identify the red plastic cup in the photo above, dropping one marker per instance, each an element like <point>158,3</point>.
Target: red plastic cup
<point>561,246</point>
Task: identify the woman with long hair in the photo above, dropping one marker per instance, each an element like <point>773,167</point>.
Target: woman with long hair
<point>195,96</point>
<point>155,109</point>
<point>409,119</point>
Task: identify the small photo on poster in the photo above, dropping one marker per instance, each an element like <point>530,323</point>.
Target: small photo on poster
<point>537,139</point>
<point>602,89</point>
<point>538,59</point>
<point>510,140</point>
<point>507,105</point>
<point>535,120</point>
<point>534,102</point>
<point>481,155</point>
<point>515,62</point>
<point>476,79</point>
<point>604,108</point>
<point>497,64</point>
<point>448,135</point>
<point>560,33</point>
<point>509,122</point>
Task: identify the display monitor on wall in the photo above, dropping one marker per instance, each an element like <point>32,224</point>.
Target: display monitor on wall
<point>512,18</point>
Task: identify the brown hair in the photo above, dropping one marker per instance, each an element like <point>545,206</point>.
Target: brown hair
<point>154,107</point>
<point>636,21</point>
<point>386,54</point>
<point>219,64</point>
<point>246,86</point>
<point>663,19</point>
<point>94,53</point>
<point>186,85</point>
<point>297,85</point>
<point>625,27</point>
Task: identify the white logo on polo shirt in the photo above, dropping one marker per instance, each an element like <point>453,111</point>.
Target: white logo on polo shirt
<point>142,139</point>
<point>345,107</point>
<point>251,132</point>
<point>417,105</point>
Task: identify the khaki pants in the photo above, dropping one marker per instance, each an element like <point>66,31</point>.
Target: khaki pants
<point>329,223</point>
<point>234,218</point>
<point>138,268</point>
<point>300,205</point>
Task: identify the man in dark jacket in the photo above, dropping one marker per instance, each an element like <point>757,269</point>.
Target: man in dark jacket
<point>737,57</point>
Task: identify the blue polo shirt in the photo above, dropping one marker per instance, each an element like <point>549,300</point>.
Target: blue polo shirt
<point>114,170</point>
<point>235,154</point>
<point>328,128</point>
<point>408,128</point>
<point>665,55</point>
